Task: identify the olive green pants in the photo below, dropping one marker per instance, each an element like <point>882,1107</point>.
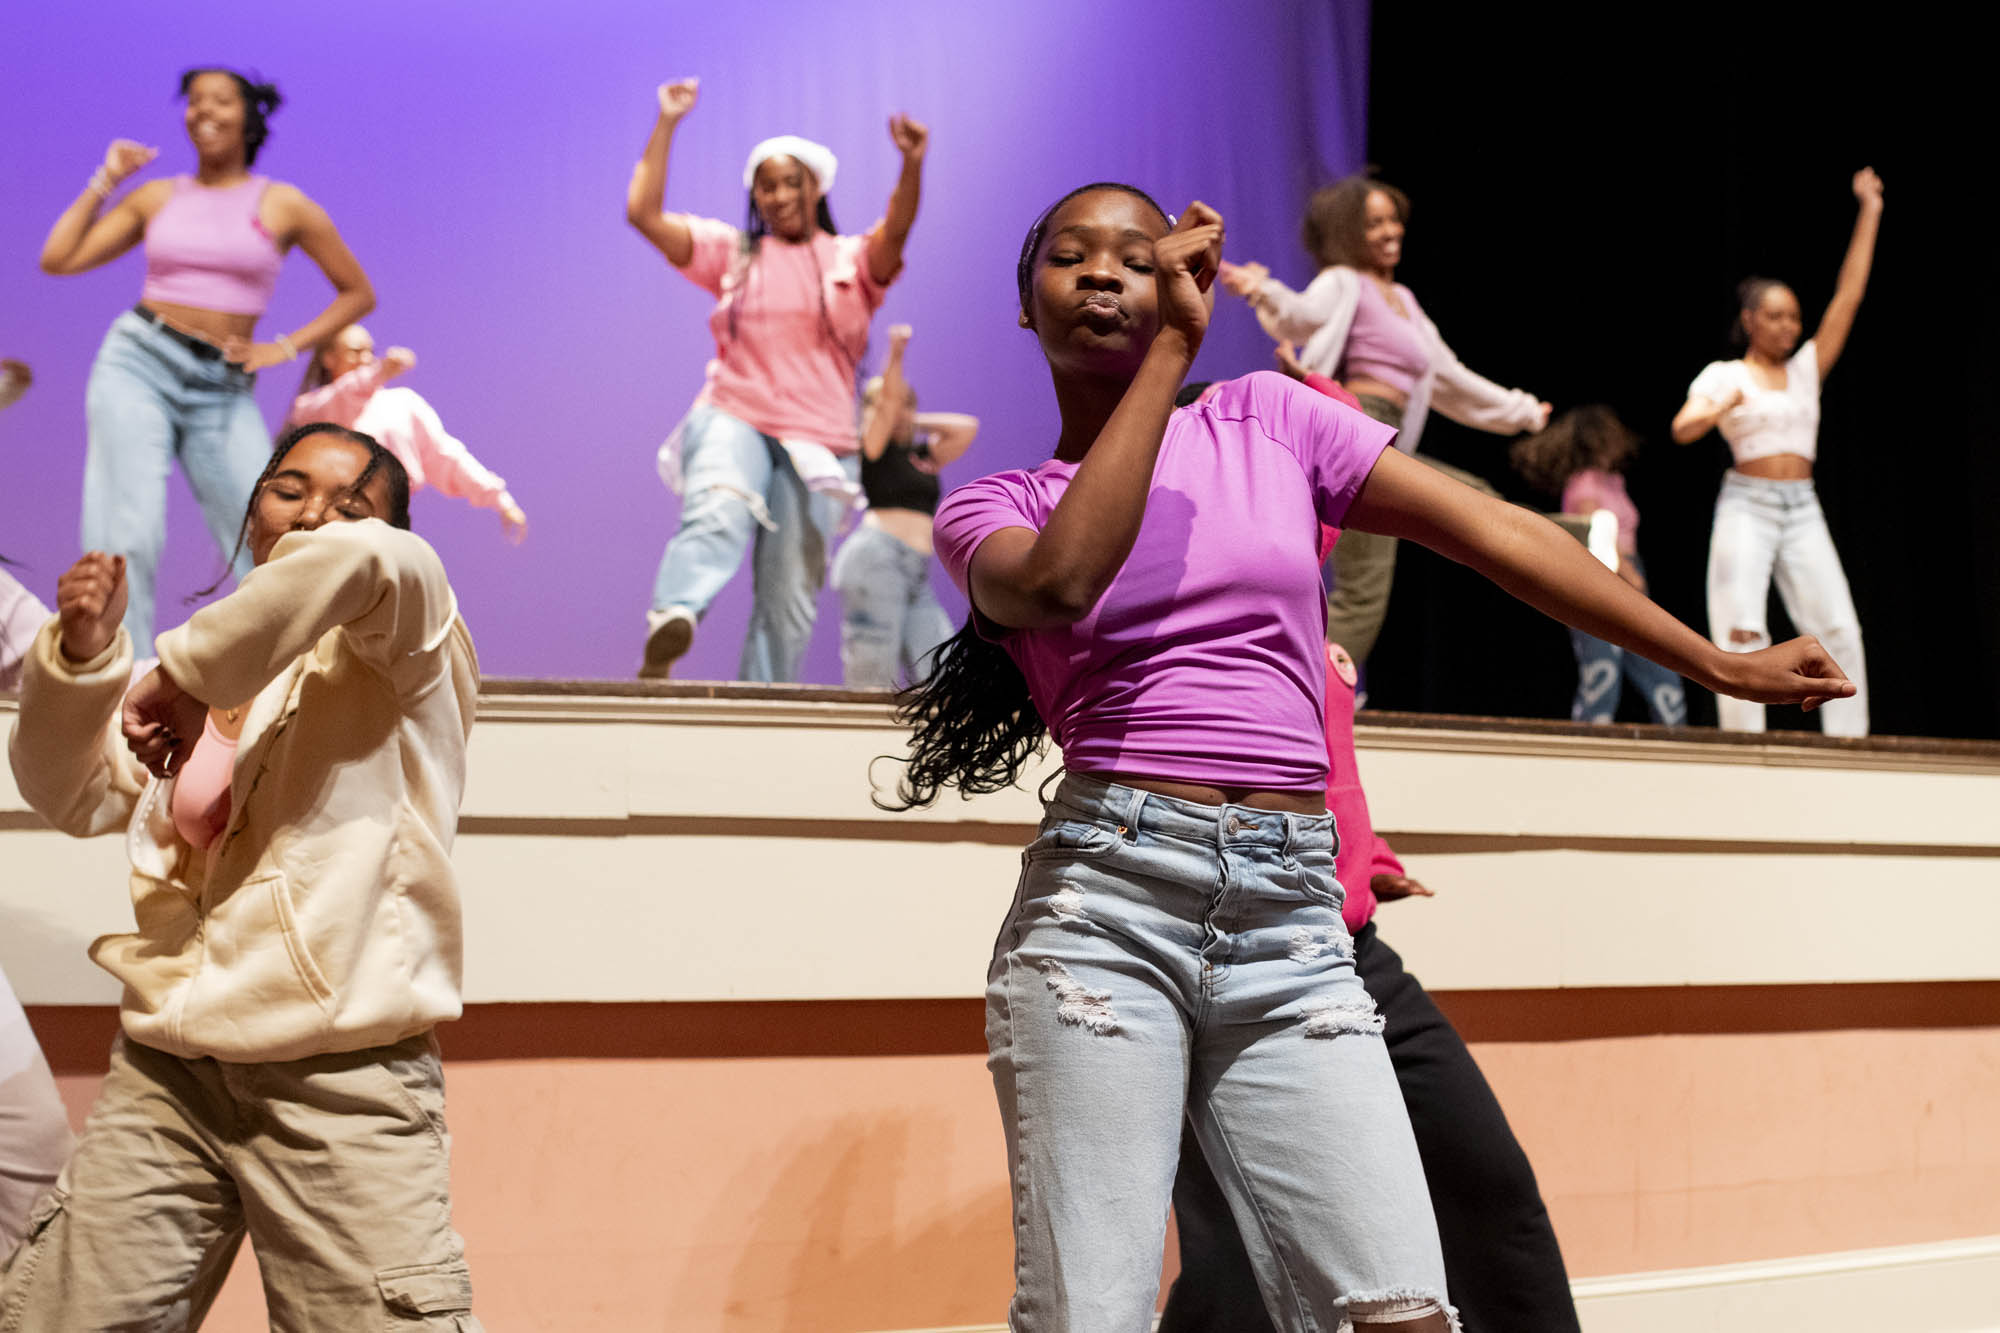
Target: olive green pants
<point>336,1166</point>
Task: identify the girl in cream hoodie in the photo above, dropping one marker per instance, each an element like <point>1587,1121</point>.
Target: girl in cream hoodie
<point>287,780</point>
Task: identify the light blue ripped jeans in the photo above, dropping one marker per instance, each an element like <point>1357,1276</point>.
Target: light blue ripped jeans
<point>1167,959</point>
<point>738,483</point>
<point>890,617</point>
<point>151,400</point>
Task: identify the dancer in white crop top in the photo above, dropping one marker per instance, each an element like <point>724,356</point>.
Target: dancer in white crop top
<point>1768,523</point>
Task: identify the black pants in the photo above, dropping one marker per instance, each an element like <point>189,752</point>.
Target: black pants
<point>1501,1262</point>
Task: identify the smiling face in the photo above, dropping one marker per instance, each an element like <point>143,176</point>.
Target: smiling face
<point>316,483</point>
<point>1092,301</point>
<point>786,196</point>
<point>214,116</point>
<point>350,349</point>
<point>1382,230</point>
<point>1773,323</point>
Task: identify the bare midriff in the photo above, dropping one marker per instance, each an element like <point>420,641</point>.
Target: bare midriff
<point>209,325</point>
<point>1374,388</point>
<point>911,527</point>
<point>1311,802</point>
<point>1778,467</point>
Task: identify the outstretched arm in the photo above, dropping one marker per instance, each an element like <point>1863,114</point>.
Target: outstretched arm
<point>1838,321</point>
<point>1029,580</point>
<point>1543,566</point>
<point>645,196</point>
<point>885,243</point>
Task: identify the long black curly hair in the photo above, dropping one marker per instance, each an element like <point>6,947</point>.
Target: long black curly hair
<point>974,725</point>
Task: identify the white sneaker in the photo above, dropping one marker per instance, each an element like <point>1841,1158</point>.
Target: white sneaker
<point>669,634</point>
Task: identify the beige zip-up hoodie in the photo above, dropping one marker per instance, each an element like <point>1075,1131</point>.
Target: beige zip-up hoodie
<point>326,917</point>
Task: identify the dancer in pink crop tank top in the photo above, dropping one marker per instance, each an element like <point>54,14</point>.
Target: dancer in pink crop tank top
<point>174,375</point>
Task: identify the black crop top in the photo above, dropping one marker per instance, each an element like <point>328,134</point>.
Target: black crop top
<point>894,481</point>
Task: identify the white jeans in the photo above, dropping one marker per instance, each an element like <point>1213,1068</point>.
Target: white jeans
<point>1768,531</point>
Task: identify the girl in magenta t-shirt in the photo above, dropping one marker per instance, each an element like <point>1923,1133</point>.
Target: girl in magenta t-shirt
<point>1150,597</point>
<point>769,449</point>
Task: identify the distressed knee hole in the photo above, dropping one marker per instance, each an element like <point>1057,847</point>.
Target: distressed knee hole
<point>1411,1310</point>
<point>1342,1017</point>
<point>1746,638</point>
<point>717,497</point>
<point>1076,1004</point>
<point>1310,942</point>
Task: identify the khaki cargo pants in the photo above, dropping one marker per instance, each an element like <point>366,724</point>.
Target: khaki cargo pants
<point>337,1166</point>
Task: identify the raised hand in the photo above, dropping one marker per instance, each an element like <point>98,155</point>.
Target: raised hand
<point>899,337</point>
<point>398,361</point>
<point>161,722</point>
<point>126,156</point>
<point>15,377</point>
<point>1796,672</point>
<point>677,98</point>
<point>911,137</point>
<point>1243,279</point>
<point>1868,187</point>
<point>1185,262</point>
<point>90,601</point>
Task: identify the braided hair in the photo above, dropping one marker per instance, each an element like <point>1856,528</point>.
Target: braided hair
<point>260,99</point>
<point>974,723</point>
<point>755,229</point>
<point>380,462</point>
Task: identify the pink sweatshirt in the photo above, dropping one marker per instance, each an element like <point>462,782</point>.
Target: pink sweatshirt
<point>1362,853</point>
<point>407,427</point>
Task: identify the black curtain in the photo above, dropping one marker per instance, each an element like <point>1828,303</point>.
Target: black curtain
<point>1583,207</point>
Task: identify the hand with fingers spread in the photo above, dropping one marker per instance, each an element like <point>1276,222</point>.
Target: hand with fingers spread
<point>1243,279</point>
<point>678,98</point>
<point>161,722</point>
<point>1185,261</point>
<point>1798,671</point>
<point>1392,888</point>
<point>90,602</point>
<point>911,137</point>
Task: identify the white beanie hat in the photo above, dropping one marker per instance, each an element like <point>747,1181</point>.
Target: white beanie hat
<point>816,158</point>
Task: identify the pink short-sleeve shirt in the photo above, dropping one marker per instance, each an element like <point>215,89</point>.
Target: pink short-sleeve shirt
<point>800,315</point>
<point>1204,661</point>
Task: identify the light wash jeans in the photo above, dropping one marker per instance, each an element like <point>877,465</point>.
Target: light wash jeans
<point>1166,959</point>
<point>1768,531</point>
<point>149,401</point>
<point>1602,670</point>
<point>890,616</point>
<point>734,478</point>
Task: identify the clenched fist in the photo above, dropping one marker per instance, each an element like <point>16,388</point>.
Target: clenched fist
<point>90,601</point>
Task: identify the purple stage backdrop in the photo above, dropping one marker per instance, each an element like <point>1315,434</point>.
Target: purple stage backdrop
<point>475,157</point>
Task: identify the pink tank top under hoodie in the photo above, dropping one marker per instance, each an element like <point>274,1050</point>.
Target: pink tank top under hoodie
<point>202,788</point>
<point>208,249</point>
<point>1384,345</point>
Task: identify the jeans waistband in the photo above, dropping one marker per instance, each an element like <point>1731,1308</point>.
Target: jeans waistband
<point>1789,488</point>
<point>1134,811</point>
<point>201,347</point>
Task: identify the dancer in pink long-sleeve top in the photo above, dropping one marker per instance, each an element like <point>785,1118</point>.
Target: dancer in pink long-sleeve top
<point>348,385</point>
